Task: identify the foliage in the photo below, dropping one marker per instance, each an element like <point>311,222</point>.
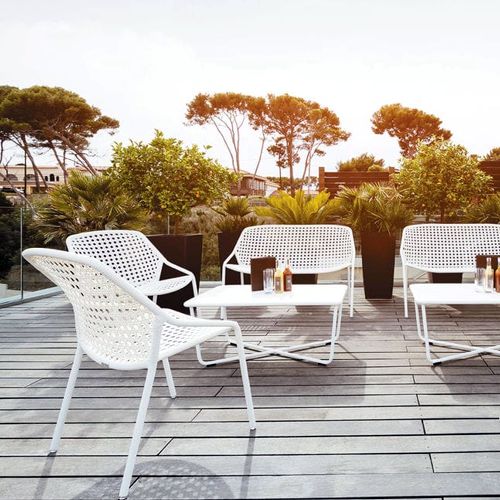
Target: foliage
<point>361,163</point>
<point>284,182</point>
<point>299,208</point>
<point>228,112</point>
<point>373,208</point>
<point>485,212</point>
<point>53,119</point>
<point>202,220</point>
<point>235,215</point>
<point>494,154</point>
<point>9,235</point>
<point>87,204</point>
<point>297,125</point>
<point>167,178</point>
<point>442,179</point>
<point>409,125</point>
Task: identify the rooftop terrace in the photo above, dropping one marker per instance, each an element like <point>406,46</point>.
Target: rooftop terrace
<point>380,422</point>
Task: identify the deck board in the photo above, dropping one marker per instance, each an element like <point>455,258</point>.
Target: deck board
<point>380,422</point>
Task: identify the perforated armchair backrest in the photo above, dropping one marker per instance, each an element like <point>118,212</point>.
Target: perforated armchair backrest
<point>315,247</point>
<point>114,322</point>
<point>448,247</point>
<point>129,253</point>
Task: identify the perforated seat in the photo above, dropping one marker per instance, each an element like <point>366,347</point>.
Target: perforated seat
<point>118,326</point>
<point>446,248</point>
<point>310,249</point>
<point>133,257</point>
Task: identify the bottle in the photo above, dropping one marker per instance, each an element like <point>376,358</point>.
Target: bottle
<point>278,279</point>
<point>489,285</point>
<point>287,277</point>
<point>497,279</point>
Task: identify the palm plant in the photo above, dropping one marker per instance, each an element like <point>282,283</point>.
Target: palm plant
<point>298,209</point>
<point>373,208</point>
<point>235,215</point>
<point>486,212</point>
<point>87,204</point>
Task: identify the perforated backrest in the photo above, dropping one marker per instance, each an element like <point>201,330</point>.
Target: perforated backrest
<point>129,253</point>
<point>448,247</point>
<point>315,247</point>
<point>113,326</point>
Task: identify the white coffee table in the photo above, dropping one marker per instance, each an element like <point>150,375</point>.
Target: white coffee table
<point>426,294</point>
<point>302,295</point>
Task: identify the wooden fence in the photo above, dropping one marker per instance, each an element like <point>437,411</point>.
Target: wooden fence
<point>333,181</point>
<point>492,168</point>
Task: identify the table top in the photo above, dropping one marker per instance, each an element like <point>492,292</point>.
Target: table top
<point>451,293</point>
<point>242,295</point>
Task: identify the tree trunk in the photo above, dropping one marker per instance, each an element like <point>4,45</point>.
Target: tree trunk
<point>36,170</point>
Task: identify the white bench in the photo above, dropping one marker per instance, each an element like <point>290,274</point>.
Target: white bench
<point>446,248</point>
<point>310,248</point>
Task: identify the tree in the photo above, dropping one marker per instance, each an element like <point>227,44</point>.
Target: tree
<point>167,178</point>
<point>409,125</point>
<point>298,125</point>
<point>228,112</point>
<point>361,163</point>
<point>494,155</point>
<point>442,179</point>
<point>52,118</point>
<point>87,203</point>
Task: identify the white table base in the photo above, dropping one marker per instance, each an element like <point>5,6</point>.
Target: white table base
<point>453,294</point>
<point>285,352</point>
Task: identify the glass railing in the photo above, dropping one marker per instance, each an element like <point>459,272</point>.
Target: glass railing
<point>18,280</point>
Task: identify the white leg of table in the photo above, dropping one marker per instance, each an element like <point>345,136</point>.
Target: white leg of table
<point>417,319</point>
<point>426,337</point>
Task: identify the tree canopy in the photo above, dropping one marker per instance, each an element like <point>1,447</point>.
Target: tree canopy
<point>410,126</point>
<point>297,125</point>
<point>228,112</point>
<point>167,178</point>
<point>441,180</point>
<point>53,119</point>
<point>361,163</point>
<point>494,154</point>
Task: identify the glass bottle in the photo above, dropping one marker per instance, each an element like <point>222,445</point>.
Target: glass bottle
<point>287,277</point>
<point>278,279</point>
<point>489,284</point>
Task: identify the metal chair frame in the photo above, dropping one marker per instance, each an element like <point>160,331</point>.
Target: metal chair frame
<point>119,327</point>
<point>310,248</point>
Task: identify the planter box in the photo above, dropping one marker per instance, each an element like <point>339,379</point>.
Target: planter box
<point>185,251</point>
<point>378,253</point>
<point>226,243</point>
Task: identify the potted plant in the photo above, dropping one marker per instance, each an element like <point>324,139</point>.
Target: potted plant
<point>169,179</point>
<point>235,215</point>
<point>300,208</point>
<point>378,214</point>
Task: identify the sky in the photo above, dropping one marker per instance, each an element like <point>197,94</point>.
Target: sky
<point>141,62</point>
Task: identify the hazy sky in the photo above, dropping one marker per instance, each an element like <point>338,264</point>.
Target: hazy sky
<point>142,61</point>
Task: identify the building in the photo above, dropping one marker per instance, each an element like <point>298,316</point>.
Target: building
<point>12,177</point>
<point>254,185</point>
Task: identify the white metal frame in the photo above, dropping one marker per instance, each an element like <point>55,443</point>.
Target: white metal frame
<point>133,257</point>
<point>422,326</point>
<point>310,248</point>
<point>119,327</point>
<point>445,248</point>
<point>240,296</point>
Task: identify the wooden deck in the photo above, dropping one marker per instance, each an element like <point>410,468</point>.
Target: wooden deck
<point>378,423</point>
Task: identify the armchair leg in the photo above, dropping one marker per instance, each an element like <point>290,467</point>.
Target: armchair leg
<point>138,427</point>
<point>170,379</point>
<point>54,445</point>
<point>244,377</point>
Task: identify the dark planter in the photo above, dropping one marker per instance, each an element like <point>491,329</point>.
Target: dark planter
<point>378,253</point>
<point>227,241</point>
<point>445,277</point>
<point>305,279</point>
<point>185,251</point>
